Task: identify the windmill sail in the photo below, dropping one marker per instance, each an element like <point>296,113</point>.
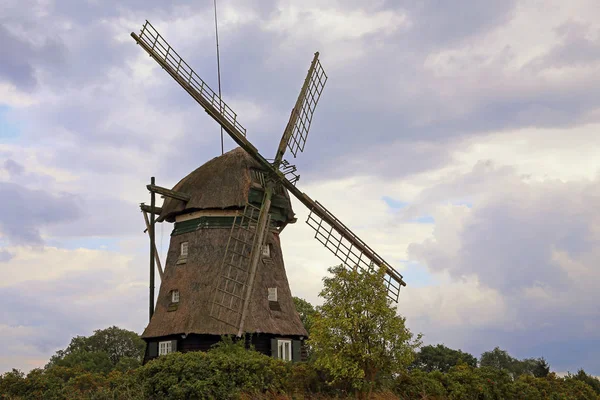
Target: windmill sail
<point>296,131</point>
<point>340,240</point>
<point>326,224</point>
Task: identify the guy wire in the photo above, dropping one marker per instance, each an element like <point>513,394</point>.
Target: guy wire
<point>218,69</point>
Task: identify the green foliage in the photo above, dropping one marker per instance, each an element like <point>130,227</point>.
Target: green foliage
<point>89,361</point>
<point>500,359</point>
<point>541,368</point>
<point>593,382</point>
<point>307,312</point>
<point>230,371</point>
<point>441,358</point>
<point>223,372</point>
<point>486,383</point>
<point>116,343</point>
<point>356,335</point>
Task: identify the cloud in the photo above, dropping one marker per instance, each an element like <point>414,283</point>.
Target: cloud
<point>5,256</point>
<point>83,289</point>
<point>21,58</point>
<point>528,247</point>
<point>13,168</point>
<point>26,211</point>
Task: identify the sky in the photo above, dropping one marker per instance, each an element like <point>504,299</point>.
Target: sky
<point>459,140</point>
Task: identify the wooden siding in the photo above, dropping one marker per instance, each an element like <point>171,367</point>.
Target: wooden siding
<point>261,343</point>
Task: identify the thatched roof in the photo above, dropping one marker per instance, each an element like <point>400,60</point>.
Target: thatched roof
<point>221,183</point>
<point>196,280</point>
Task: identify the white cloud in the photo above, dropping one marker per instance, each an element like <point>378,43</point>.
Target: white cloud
<point>51,263</point>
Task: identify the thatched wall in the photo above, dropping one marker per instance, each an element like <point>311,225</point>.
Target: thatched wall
<point>223,182</point>
<point>197,278</point>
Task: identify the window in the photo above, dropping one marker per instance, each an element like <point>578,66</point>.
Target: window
<point>184,250</point>
<point>266,250</point>
<point>164,348</point>
<point>284,349</point>
<point>272,293</point>
<point>175,296</point>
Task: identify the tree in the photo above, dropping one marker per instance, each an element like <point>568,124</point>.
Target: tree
<point>306,311</point>
<point>117,344</point>
<point>541,368</point>
<point>582,376</point>
<point>441,358</point>
<point>357,337</point>
<point>499,359</point>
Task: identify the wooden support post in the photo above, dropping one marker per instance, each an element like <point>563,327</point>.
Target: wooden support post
<point>156,255</point>
<point>261,229</point>
<point>151,231</point>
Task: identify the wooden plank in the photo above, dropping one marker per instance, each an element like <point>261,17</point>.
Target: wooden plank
<point>148,209</point>
<point>169,193</point>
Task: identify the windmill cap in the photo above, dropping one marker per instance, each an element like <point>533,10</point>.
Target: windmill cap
<point>225,182</point>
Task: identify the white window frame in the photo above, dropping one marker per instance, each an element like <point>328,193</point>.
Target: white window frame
<point>175,296</point>
<point>184,250</point>
<point>282,344</point>
<point>266,251</point>
<point>165,348</point>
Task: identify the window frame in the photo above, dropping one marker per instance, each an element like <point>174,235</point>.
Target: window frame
<point>175,296</point>
<point>168,348</point>
<point>281,346</point>
<point>182,253</point>
<point>265,251</point>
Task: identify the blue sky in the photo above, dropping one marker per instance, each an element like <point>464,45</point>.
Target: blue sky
<point>459,141</point>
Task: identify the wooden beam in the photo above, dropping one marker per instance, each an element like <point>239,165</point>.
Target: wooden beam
<point>169,193</point>
<point>158,264</point>
<point>148,209</point>
<point>152,250</point>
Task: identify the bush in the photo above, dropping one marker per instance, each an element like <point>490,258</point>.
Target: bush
<point>224,372</point>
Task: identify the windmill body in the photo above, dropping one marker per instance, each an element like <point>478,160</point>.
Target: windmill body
<point>219,190</point>
<point>224,272</point>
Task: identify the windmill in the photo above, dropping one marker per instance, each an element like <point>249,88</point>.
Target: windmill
<point>224,272</point>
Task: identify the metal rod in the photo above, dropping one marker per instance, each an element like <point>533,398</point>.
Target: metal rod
<point>152,247</point>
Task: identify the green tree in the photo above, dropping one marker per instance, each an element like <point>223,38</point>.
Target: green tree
<point>356,335</point>
<point>582,376</point>
<point>115,343</point>
<point>541,368</point>
<point>90,361</point>
<point>499,359</point>
<point>441,358</point>
<point>306,311</point>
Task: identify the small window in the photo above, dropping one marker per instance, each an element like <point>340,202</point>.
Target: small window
<point>175,296</point>
<point>164,348</point>
<point>284,349</point>
<point>266,250</point>
<point>184,250</point>
<point>272,293</point>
